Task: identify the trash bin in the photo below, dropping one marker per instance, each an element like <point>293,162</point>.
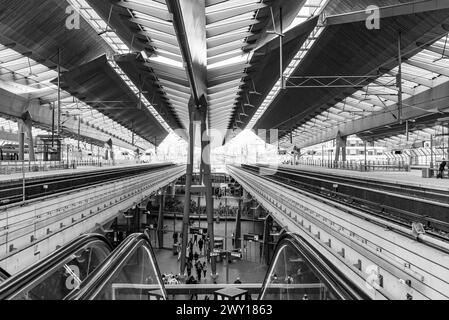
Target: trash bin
<point>426,173</point>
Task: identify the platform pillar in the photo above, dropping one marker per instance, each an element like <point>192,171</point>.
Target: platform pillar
<point>266,238</point>
<point>27,127</point>
<point>337,150</point>
<point>205,161</point>
<point>238,227</point>
<point>160,220</point>
<point>344,141</point>
<point>340,144</point>
<point>189,173</point>
<point>21,134</point>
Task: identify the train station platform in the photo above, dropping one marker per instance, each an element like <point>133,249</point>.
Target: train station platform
<point>412,178</point>
<point>45,174</point>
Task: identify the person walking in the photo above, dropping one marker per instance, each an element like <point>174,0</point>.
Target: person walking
<point>195,238</point>
<point>204,269</point>
<point>441,170</point>
<point>199,270</point>
<point>200,245</point>
<point>191,245</point>
<point>189,268</point>
<point>191,255</point>
<point>196,256</point>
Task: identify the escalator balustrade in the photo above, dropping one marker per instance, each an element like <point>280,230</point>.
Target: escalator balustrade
<point>57,275</point>
<point>298,272</point>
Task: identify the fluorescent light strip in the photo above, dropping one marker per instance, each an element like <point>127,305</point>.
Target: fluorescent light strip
<point>113,40</point>
<point>293,64</point>
<point>134,89</point>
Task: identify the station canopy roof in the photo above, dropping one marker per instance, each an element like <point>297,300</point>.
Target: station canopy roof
<point>345,76</point>
<point>124,70</point>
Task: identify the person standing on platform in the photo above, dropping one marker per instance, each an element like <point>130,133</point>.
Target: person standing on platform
<point>195,238</point>
<point>191,245</point>
<point>441,171</point>
<point>175,237</point>
<point>191,255</point>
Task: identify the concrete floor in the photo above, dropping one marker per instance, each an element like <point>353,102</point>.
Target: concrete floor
<point>250,269</point>
<point>249,272</point>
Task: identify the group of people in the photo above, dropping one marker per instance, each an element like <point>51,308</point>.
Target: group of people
<point>226,210</point>
<point>194,263</point>
<point>170,279</point>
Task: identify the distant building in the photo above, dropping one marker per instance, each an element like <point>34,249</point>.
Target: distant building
<point>355,151</point>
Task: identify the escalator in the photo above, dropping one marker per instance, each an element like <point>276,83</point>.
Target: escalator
<point>129,273</point>
<point>63,271</point>
<point>299,272</point>
<point>86,269</point>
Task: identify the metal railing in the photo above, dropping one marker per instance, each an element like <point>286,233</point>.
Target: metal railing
<point>10,167</point>
<point>358,165</point>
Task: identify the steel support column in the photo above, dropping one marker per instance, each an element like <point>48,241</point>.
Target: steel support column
<point>238,227</point>
<point>344,141</point>
<point>189,173</point>
<point>365,148</point>
<point>340,145</point>
<point>399,78</point>
<point>205,160</point>
<point>160,220</point>
<point>21,135</point>
<point>266,238</point>
<point>28,128</point>
<point>25,128</point>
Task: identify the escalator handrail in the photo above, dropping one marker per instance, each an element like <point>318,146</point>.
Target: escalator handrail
<point>97,279</point>
<point>21,280</point>
<point>342,285</point>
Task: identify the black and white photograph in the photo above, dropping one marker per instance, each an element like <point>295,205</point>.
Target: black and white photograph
<point>224,157</point>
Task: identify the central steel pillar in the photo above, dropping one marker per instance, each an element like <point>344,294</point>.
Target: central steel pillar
<point>206,165</point>
<point>189,173</point>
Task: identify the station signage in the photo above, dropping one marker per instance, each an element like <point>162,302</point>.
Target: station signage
<point>251,237</point>
<point>196,230</point>
<point>236,255</point>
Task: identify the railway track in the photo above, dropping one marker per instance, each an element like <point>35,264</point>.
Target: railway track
<point>368,196</point>
<point>11,192</point>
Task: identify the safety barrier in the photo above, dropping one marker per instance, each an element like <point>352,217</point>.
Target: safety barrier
<point>358,165</point>
<point>380,256</point>
<point>10,167</point>
<point>30,231</point>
